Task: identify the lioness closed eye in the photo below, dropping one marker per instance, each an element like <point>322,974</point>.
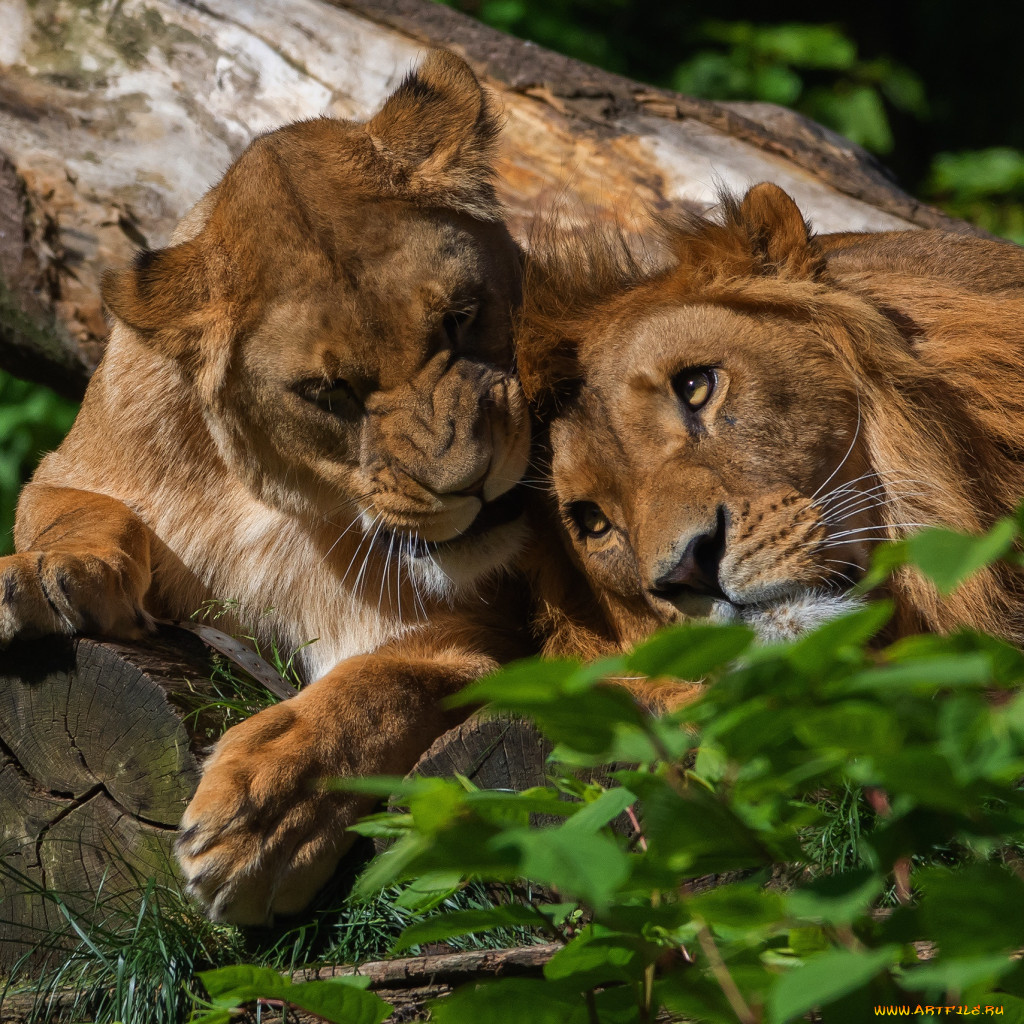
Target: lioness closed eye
<point>306,405</point>
<point>730,434</point>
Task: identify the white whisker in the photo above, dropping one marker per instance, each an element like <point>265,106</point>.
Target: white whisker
<point>849,451</point>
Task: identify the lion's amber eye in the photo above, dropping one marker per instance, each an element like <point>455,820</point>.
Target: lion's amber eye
<point>591,521</point>
<point>694,386</point>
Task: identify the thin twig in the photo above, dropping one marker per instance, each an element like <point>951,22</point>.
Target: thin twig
<point>725,980</point>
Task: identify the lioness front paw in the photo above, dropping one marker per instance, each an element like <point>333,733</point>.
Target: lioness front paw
<point>261,836</point>
<point>44,593</point>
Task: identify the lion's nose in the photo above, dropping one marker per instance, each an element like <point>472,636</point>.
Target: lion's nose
<point>698,565</point>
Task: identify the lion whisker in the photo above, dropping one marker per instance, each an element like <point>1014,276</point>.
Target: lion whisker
<point>849,451</point>
<point>385,575</point>
<point>868,505</point>
<point>355,553</point>
<point>339,538</point>
<point>359,584</point>
<point>874,529</point>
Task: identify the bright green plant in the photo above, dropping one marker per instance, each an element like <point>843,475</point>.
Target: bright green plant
<point>33,420</point>
<point>918,746</point>
<point>812,68</point>
<point>984,186</point>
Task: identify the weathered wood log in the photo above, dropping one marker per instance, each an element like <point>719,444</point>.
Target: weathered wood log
<point>98,746</point>
<point>116,116</point>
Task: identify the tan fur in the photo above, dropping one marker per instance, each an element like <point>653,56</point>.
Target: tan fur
<point>307,408</point>
<point>865,385</point>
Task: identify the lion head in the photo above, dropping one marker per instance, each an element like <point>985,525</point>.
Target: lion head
<point>732,432</point>
<point>340,304</point>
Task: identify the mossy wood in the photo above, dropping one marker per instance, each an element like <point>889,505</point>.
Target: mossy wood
<point>115,117</point>
<point>98,757</point>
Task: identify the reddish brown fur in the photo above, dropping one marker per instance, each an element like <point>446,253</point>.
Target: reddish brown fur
<point>919,334</point>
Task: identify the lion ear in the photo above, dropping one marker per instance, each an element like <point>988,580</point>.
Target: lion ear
<point>165,295</point>
<point>438,131</point>
<point>778,237</point>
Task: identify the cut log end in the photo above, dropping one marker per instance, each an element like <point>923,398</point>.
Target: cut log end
<point>97,761</point>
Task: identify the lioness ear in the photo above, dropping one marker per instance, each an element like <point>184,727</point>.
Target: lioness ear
<point>438,130</point>
<point>778,236</point>
<point>165,296</point>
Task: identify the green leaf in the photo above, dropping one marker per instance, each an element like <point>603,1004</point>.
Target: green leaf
<point>598,957</point>
<point>948,558</point>
<point>591,870</point>
<point>690,652</point>
<point>955,973</point>
<point>466,922</point>
<point>390,866</point>
<point>338,1000</point>
<point>598,813</point>
<point>976,910</point>
<point>840,638</point>
<point>531,680</point>
<point>837,899</point>
<point>853,726</point>
<point>511,1001</point>
<point>739,907</point>
<point>426,891</point>
<point>925,673</point>
<point>824,979</point>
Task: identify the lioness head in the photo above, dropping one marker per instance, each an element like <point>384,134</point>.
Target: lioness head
<point>341,303</point>
<point>731,434</point>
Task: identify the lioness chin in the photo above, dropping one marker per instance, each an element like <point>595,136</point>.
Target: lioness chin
<point>307,406</point>
<point>731,432</point>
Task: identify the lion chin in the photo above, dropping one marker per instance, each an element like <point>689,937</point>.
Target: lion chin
<point>778,621</point>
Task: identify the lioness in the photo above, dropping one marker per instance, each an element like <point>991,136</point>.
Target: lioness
<point>731,433</point>
<point>306,405</point>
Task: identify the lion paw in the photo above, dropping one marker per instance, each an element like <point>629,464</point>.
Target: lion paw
<point>45,593</point>
<point>261,836</point>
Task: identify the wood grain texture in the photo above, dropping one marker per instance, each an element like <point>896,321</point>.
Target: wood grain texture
<point>98,748</point>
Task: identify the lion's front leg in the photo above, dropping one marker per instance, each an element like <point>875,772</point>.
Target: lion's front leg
<point>83,566</point>
<point>262,834</point>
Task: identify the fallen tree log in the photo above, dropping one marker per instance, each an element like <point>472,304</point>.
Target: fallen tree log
<point>116,116</point>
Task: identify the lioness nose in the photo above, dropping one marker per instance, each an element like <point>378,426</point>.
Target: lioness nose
<point>697,566</point>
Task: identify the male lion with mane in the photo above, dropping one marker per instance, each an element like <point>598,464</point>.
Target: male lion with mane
<point>731,433</point>
<point>306,405</point>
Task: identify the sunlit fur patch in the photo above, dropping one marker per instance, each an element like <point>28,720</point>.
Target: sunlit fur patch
<point>457,569</point>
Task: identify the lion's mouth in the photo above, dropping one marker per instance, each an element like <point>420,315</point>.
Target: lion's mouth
<point>505,509</point>
<point>782,616</point>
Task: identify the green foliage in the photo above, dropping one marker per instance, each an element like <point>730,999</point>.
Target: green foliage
<point>984,186</point>
<point>812,68</point>
<point>922,741</point>
<point>33,420</point>
<point>340,1000</point>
